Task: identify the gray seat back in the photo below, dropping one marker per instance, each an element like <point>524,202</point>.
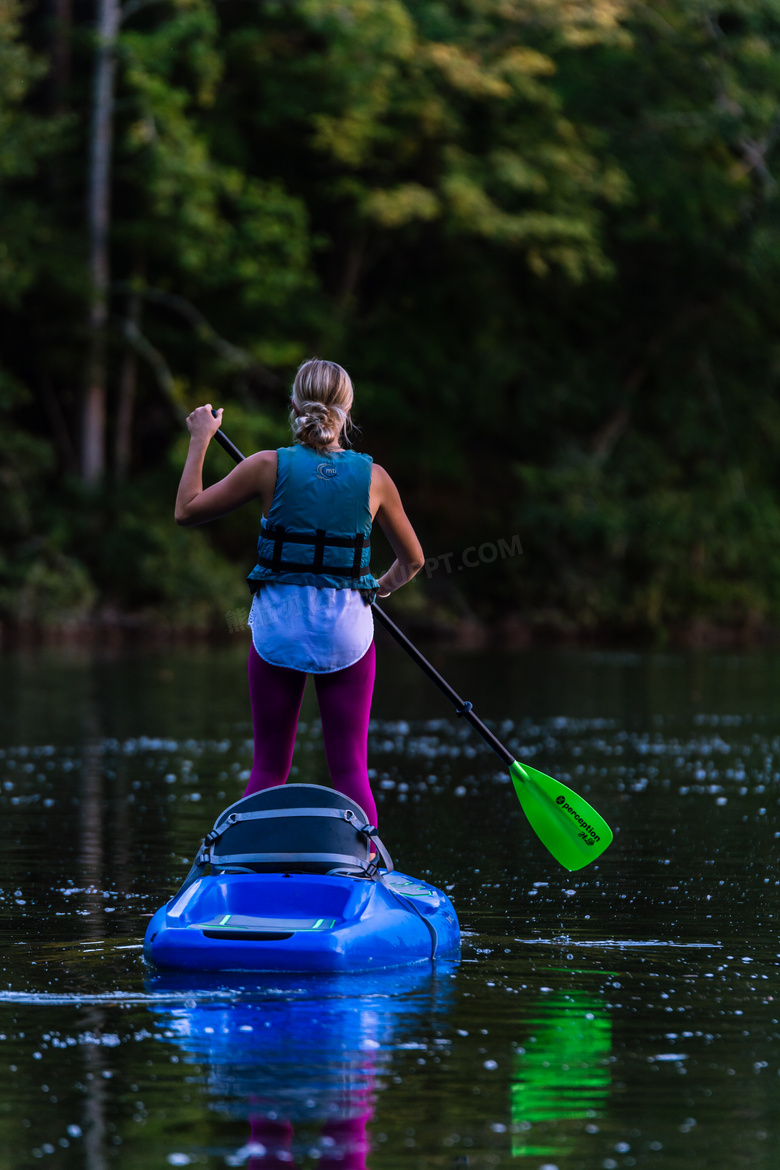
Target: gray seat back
<point>302,828</point>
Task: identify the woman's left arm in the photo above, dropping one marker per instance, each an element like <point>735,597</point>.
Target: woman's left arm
<point>392,519</point>
<point>245,482</point>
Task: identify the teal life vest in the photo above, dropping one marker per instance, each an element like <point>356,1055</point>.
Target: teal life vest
<point>318,527</point>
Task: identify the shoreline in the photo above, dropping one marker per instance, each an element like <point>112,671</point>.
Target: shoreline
<point>121,630</point>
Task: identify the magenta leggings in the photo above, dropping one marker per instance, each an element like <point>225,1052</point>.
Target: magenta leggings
<point>344,697</point>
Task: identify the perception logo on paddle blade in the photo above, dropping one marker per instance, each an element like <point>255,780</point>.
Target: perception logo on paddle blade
<point>561,800</point>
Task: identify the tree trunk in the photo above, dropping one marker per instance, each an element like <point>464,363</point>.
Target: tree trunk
<point>123,433</point>
<point>93,421</point>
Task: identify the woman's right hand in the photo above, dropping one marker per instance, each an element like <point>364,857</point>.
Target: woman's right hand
<point>202,424</point>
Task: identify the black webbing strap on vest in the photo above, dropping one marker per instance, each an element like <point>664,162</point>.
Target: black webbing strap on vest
<point>320,541</point>
<point>278,539</point>
<point>319,550</point>
<point>356,569</point>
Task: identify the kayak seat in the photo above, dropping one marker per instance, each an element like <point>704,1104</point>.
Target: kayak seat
<point>292,828</point>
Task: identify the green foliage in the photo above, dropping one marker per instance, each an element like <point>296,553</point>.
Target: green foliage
<point>169,575</point>
<point>24,140</point>
<point>210,221</point>
<point>544,237</point>
<point>450,118</point>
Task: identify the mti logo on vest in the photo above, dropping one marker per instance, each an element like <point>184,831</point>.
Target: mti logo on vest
<point>326,471</point>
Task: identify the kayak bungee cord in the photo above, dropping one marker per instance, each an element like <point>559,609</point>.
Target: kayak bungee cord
<point>564,822</point>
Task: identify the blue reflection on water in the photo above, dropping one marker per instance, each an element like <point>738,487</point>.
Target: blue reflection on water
<point>297,1050</point>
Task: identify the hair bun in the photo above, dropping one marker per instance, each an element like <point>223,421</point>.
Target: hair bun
<point>315,410</point>
<point>318,425</point>
<point>322,398</point>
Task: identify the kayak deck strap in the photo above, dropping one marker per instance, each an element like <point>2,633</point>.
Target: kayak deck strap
<point>341,814</point>
<point>331,859</point>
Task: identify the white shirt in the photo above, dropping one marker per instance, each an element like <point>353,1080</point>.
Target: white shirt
<point>305,628</point>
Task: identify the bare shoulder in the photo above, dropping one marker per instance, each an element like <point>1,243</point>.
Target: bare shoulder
<point>380,480</point>
<point>384,495</point>
<point>256,476</point>
<point>262,464</point>
<point>263,458</point>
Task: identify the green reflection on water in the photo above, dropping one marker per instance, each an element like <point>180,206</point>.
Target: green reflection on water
<point>563,1072</point>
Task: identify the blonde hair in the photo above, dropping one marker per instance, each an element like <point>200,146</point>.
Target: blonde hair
<point>322,397</point>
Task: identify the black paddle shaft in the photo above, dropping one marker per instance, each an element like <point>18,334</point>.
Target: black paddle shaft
<point>231,448</point>
<point>461,706</point>
<point>226,444</point>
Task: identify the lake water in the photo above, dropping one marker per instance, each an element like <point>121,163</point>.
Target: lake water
<point>626,1015</point>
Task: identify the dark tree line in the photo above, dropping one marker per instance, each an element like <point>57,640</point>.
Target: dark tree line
<point>542,236</point>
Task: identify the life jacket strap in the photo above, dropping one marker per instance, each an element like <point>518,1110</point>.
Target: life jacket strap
<point>278,539</point>
<point>320,541</point>
<point>359,546</point>
<point>319,550</point>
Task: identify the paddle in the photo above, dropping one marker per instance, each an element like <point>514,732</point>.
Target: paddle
<point>564,822</point>
<point>571,829</point>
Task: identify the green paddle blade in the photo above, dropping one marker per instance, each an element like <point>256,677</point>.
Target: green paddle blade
<point>574,832</point>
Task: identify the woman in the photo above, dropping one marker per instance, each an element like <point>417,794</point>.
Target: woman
<point>312,584</point>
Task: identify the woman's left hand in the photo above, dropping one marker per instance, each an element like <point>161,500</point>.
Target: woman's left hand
<point>201,423</point>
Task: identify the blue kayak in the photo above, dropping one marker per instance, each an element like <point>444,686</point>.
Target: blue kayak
<point>295,879</point>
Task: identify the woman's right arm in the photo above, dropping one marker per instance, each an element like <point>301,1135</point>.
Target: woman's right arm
<point>255,476</point>
<point>388,511</point>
